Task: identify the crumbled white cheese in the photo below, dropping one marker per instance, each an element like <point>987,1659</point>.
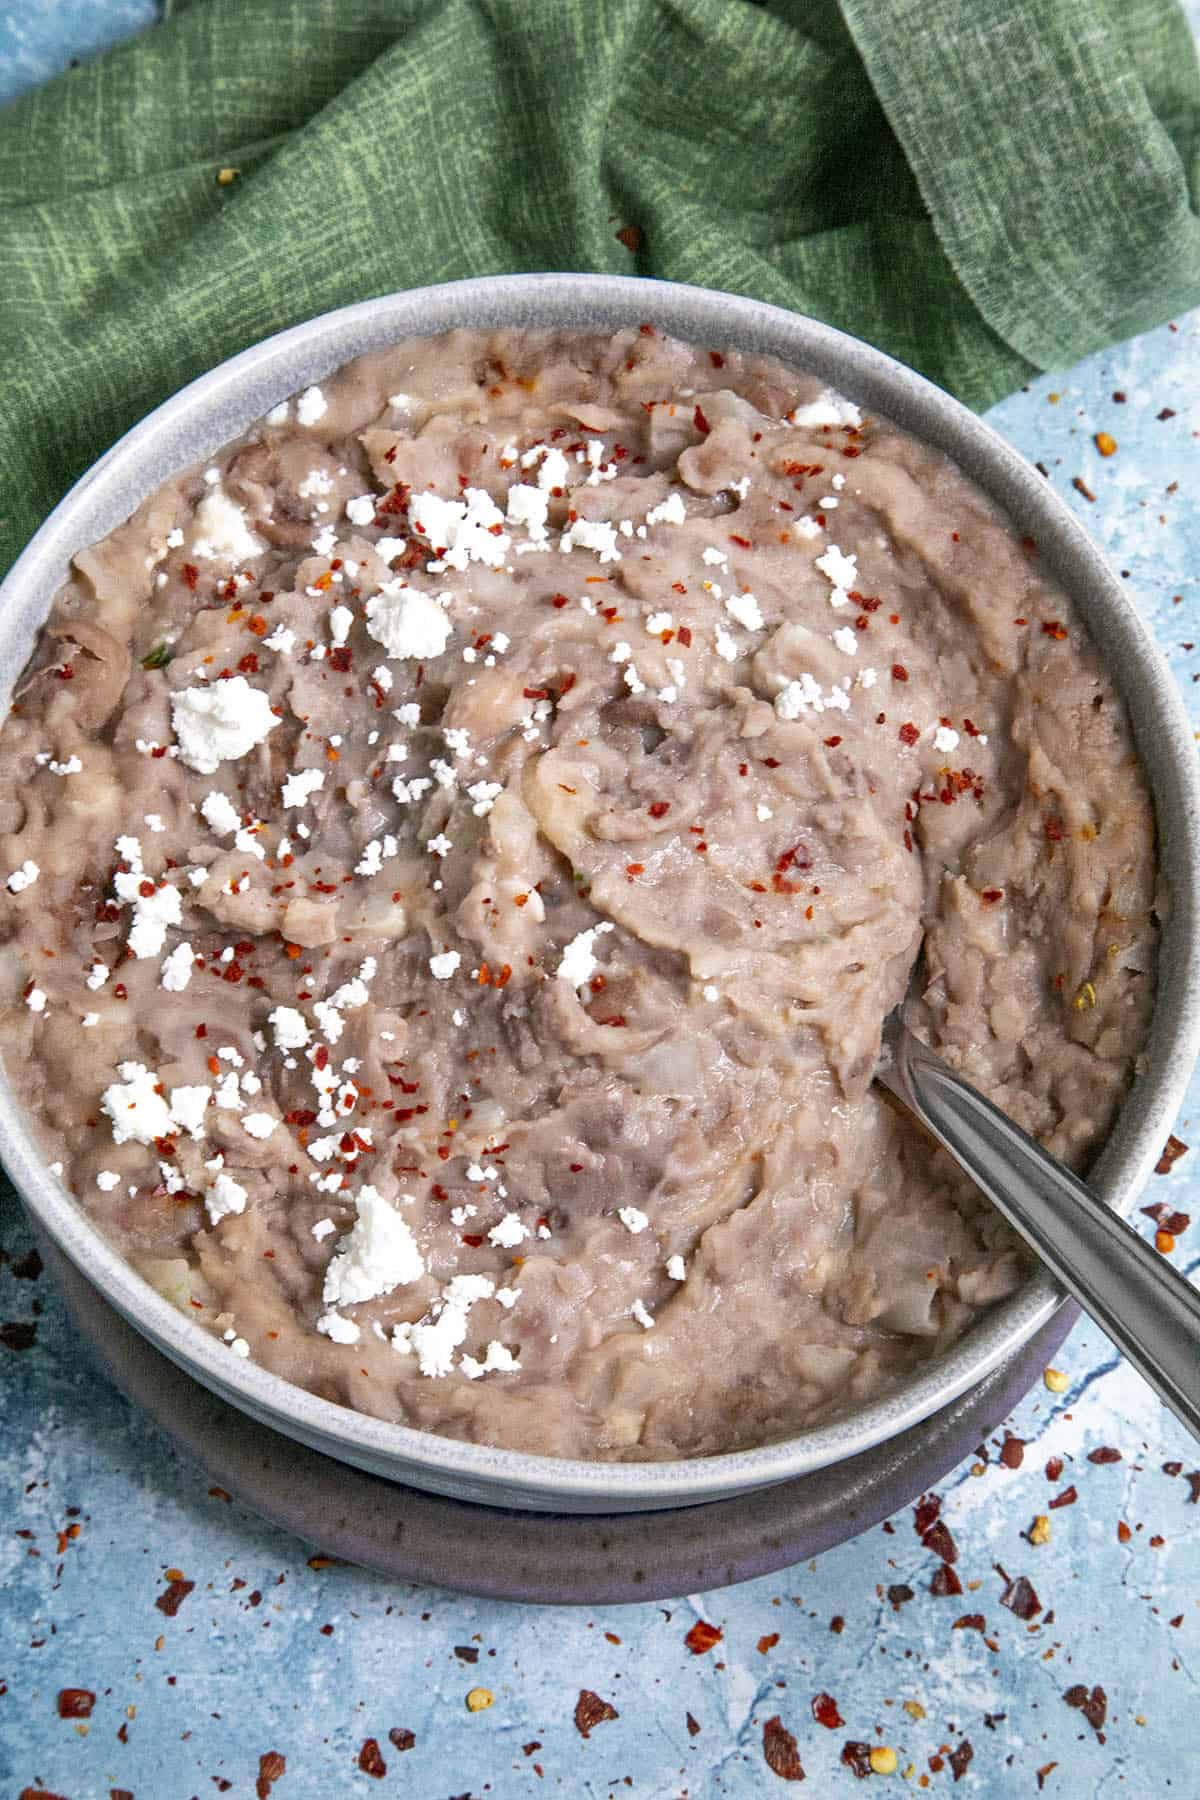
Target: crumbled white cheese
<point>338,1330</point>
<point>322,1229</point>
<point>259,1124</point>
<point>839,569</point>
<point>378,1254</point>
<point>35,1000</point>
<point>676,1270</point>
<point>282,639</point>
<point>97,975</point>
<point>462,531</point>
<point>846,640</point>
<point>90,1020</point>
<point>299,787</point>
<point>726,647</point>
<point>440,845</point>
<point>311,406</point>
<point>592,534</point>
<point>23,878</point>
<point>632,1218</point>
<point>188,1106</point>
<point>220,723</point>
<point>107,1180</point>
<point>944,738</point>
<point>670,511</point>
<point>529,506</point>
<point>135,1106</point>
<point>484,794</point>
<point>508,1233</point>
<point>443,967</point>
<point>577,963</point>
<point>659,622</point>
<point>434,1341</point>
<point>176,970</point>
<point>360,510</point>
<point>763,813</point>
<point>867,678</point>
<point>407,623</point>
<point>827,409</point>
<point>340,620</point>
<point>716,559</point>
<point>496,1357</point>
<point>745,609</point>
<point>221,531</point>
<point>220,814</point>
<point>638,1312</point>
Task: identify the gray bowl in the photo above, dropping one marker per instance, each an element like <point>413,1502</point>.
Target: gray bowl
<point>220,405</point>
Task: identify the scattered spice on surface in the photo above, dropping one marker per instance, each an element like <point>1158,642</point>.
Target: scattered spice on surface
<point>1081,487</point>
<point>1093,1706</point>
<point>780,1751</point>
<point>370,1759</point>
<point>75,1703</point>
<point>479,1699</point>
<point>173,1596</point>
<point>825,1712</point>
<point>400,1738</point>
<point>1173,1149</point>
<point>271,1767</point>
<point>591,1710</point>
<point>857,1758</point>
<point>702,1637</point>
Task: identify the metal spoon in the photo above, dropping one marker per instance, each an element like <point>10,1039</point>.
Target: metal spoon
<point>1146,1307</point>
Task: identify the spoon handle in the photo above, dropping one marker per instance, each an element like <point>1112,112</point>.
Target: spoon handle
<point>1146,1307</point>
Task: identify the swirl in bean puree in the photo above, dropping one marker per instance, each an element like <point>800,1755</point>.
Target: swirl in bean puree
<point>458,850</point>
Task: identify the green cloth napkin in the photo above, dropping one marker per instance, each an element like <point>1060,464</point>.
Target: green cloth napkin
<point>981,187</point>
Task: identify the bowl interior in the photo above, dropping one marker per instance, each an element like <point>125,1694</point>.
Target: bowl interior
<point>216,408</point>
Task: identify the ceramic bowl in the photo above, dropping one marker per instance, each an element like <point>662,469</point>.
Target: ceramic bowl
<point>220,405</point>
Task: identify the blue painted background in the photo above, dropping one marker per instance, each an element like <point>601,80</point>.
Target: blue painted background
<point>269,1655</point>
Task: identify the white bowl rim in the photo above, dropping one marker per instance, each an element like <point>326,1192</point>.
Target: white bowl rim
<point>211,410</point>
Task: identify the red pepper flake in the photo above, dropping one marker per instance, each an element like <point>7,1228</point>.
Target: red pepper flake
<point>1046,1769</point>
<point>66,673</point>
<point>767,1642</point>
<point>1052,628</point>
<point>693,1725</point>
<point>1054,828</point>
<point>558,601</point>
<point>659,809</point>
<point>632,869</point>
<point>590,1711</point>
<point>272,1765</point>
<point>1123,1532</point>
<point>927,1509</point>
<point>908,734</point>
<point>990,896</point>
<point>743,542</point>
<point>1068,1497</point>
<point>1019,1595</point>
<point>899,672</point>
<point>173,1596</point>
<point>1012,1451</point>
<point>1104,1453</point>
<point>971,730</point>
<point>370,1761</point>
<point>400,1738</point>
<point>825,1712</point>
<point>961,1758</point>
<point>939,1540</point>
<point>716,359</point>
<point>702,1637</point>
<point>1173,1149</point>
<point>831,743</point>
<point>1081,487</point>
<point>258,625</point>
<point>780,1752</point>
<point>191,575</point>
<point>1093,1706</point>
<point>970,1622</point>
<point>1168,412</point>
<point>685,636</point>
<point>945,1583</point>
<point>700,422</point>
<point>851,450</point>
<point>75,1703</point>
<point>857,1758</point>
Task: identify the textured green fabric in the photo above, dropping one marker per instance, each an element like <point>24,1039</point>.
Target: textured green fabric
<point>982,187</point>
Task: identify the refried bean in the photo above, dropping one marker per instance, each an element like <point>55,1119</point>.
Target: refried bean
<point>458,849</point>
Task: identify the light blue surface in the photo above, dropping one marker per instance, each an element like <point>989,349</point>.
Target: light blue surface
<point>246,1667</point>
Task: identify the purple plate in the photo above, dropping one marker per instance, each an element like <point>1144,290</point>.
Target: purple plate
<point>548,1558</point>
